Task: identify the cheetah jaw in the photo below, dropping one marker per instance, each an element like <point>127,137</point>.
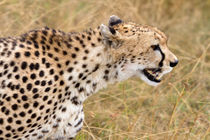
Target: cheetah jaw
<point>151,76</point>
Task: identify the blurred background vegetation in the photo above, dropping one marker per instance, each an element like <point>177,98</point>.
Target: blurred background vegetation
<point>177,109</point>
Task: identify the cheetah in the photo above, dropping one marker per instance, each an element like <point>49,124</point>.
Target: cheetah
<point>47,74</point>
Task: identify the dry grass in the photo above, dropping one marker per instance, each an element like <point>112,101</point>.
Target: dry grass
<point>177,109</point>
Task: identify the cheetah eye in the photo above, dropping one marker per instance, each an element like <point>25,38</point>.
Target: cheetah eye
<point>155,47</point>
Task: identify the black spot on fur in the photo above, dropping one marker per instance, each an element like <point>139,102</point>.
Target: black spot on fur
<point>74,100</point>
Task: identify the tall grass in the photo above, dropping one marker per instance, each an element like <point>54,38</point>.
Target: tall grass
<point>177,109</point>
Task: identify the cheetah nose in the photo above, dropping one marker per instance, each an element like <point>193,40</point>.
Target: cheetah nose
<point>173,64</point>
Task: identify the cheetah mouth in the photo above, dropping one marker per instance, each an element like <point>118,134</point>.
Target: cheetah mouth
<point>153,74</point>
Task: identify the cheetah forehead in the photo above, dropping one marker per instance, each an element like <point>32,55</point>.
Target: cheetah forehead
<point>141,29</point>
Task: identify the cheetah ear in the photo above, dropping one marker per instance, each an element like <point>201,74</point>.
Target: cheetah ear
<point>114,20</point>
<point>107,32</point>
<point>110,36</point>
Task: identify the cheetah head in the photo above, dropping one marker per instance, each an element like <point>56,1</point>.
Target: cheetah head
<point>141,50</point>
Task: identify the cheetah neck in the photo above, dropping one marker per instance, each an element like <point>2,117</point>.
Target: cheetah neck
<point>105,75</point>
<point>96,69</point>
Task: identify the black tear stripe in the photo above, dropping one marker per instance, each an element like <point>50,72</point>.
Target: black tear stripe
<point>157,47</point>
<point>163,57</point>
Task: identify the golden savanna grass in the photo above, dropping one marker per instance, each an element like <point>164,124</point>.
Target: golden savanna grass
<point>177,109</point>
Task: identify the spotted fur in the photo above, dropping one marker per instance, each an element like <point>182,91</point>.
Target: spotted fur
<point>46,74</point>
